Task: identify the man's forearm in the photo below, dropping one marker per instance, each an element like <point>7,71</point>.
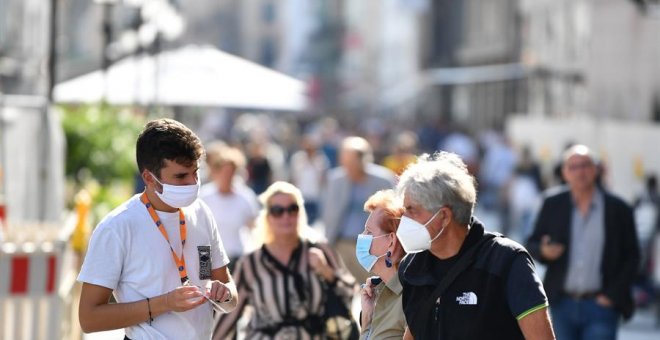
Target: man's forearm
<point>120,315</point>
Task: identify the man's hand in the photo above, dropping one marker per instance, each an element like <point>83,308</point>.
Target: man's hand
<point>184,298</point>
<point>96,314</point>
<point>220,292</point>
<point>603,301</point>
<point>551,251</point>
<point>223,289</point>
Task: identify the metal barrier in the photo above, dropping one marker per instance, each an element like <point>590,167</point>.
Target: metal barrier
<point>37,273</point>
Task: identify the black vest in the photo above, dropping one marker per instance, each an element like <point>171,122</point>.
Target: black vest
<point>475,305</point>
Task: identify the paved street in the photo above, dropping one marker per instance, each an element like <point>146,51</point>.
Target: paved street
<point>641,327</point>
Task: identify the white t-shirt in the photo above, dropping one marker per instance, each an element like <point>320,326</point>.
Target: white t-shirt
<point>233,212</point>
<point>128,254</point>
<point>307,174</point>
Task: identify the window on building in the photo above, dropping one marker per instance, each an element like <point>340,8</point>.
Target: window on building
<point>268,12</point>
<point>267,57</point>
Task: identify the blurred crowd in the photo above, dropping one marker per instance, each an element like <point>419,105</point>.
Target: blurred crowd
<point>293,212</point>
<point>511,179</point>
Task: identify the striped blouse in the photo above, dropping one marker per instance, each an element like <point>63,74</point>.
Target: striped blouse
<point>287,300</point>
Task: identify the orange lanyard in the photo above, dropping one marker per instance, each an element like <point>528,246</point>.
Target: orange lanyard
<point>180,263</point>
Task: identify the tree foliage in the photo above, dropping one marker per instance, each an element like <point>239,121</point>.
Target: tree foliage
<point>101,143</point>
<point>101,153</point>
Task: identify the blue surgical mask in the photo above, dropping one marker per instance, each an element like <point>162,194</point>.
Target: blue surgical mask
<point>362,247</point>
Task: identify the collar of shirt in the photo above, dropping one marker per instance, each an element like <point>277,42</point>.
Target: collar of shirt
<point>394,285</point>
<point>597,201</point>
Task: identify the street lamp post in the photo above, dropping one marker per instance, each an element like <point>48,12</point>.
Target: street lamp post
<point>52,49</point>
<point>106,31</point>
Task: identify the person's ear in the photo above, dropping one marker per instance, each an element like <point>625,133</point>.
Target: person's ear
<point>393,242</point>
<point>448,216</point>
<point>148,178</point>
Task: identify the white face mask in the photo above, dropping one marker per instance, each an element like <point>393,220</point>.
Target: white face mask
<point>178,196</point>
<point>414,236</point>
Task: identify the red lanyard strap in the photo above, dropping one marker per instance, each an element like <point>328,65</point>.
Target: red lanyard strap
<point>180,262</point>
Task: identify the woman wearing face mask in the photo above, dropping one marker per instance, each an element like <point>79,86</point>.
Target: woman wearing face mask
<point>460,282</point>
<point>286,280</point>
<point>379,252</point>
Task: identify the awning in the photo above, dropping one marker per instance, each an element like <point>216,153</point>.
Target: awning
<point>189,76</point>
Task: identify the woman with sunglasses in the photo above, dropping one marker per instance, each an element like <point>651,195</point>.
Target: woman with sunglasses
<point>285,281</point>
<point>378,251</point>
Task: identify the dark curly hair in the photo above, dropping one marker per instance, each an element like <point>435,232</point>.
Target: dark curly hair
<point>164,139</point>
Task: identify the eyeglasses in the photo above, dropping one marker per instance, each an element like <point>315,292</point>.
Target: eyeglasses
<point>580,166</point>
<point>278,210</point>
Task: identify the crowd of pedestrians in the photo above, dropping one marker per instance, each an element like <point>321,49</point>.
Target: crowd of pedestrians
<point>286,236</point>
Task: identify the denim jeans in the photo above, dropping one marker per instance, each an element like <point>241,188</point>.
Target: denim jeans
<point>312,210</point>
<point>583,319</point>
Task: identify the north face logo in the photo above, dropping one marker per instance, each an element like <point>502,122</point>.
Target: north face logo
<point>468,298</point>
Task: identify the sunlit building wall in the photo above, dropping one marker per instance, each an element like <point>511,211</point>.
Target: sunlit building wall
<point>596,58</point>
<point>471,60</point>
<point>381,60</point>
<point>24,48</point>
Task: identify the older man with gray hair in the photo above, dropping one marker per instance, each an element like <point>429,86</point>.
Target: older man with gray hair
<point>346,190</point>
<point>459,281</point>
<point>586,236</point>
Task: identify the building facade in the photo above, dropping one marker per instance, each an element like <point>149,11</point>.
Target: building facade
<point>595,58</point>
<point>470,57</point>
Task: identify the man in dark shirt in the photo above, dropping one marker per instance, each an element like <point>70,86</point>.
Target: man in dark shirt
<point>586,237</point>
<point>497,294</point>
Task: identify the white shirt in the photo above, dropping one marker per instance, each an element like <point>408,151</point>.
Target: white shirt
<point>307,173</point>
<point>128,254</point>
<point>232,212</point>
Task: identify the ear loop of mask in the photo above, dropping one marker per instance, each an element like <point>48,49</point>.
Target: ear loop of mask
<point>373,238</point>
<point>162,187</point>
<point>388,247</point>
<point>441,231</point>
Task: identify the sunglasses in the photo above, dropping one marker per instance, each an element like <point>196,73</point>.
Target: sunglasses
<point>278,210</point>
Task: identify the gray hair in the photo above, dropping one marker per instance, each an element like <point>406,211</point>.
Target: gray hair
<point>360,146</point>
<point>580,150</point>
<point>440,180</point>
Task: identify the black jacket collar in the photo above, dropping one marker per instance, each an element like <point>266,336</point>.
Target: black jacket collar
<point>417,269</point>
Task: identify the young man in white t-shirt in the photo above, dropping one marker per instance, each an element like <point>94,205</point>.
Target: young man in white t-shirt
<point>159,253</point>
<point>233,204</point>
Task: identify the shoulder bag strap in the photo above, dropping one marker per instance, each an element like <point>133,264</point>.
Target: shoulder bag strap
<point>425,310</point>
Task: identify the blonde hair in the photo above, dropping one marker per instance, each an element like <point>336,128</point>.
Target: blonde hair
<point>391,205</point>
<point>218,153</point>
<point>393,209</point>
<point>263,232</point>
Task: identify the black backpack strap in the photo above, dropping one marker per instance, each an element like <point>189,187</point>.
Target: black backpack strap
<point>426,309</point>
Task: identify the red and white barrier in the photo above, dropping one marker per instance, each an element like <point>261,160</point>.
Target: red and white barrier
<point>28,273</point>
<point>32,302</point>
